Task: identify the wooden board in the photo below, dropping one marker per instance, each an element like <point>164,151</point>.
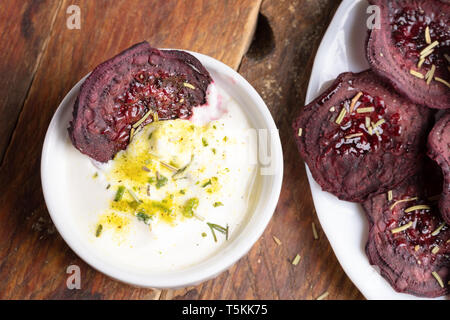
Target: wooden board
<point>34,258</point>
<point>22,41</point>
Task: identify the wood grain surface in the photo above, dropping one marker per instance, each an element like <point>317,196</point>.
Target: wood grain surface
<point>25,29</point>
<point>41,61</point>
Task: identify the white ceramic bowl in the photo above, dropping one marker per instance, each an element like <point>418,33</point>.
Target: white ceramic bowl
<point>54,155</point>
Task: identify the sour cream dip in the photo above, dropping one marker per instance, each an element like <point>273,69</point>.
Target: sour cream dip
<point>175,196</point>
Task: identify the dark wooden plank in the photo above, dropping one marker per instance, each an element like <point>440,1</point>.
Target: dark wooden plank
<point>281,77</point>
<point>33,257</point>
<point>24,29</point>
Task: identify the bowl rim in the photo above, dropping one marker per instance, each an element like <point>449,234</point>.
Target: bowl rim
<point>199,272</point>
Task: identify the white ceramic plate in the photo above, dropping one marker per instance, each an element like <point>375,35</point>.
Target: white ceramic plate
<point>343,49</point>
<point>57,150</point>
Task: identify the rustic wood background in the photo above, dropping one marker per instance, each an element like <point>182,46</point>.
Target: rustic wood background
<point>271,43</point>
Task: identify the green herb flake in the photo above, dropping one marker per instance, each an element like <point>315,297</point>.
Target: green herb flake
<point>161,181</point>
<point>180,171</point>
<point>217,204</point>
<point>119,193</point>
<point>95,175</point>
<point>207,183</point>
<point>189,207</point>
<point>151,180</point>
<point>204,234</point>
<point>133,204</point>
<point>98,232</point>
<point>213,150</point>
<point>144,217</point>
<point>182,191</point>
<point>205,142</point>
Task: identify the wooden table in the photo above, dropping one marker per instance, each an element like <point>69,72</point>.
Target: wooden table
<point>41,59</point>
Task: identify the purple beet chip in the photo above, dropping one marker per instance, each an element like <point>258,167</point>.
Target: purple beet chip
<point>137,86</point>
<point>412,49</point>
<point>408,239</point>
<point>439,150</point>
<point>361,138</point>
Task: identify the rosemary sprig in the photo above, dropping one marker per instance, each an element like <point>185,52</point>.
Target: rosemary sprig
<point>180,171</point>
<point>219,228</point>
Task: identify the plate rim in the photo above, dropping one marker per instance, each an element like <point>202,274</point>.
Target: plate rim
<point>341,14</point>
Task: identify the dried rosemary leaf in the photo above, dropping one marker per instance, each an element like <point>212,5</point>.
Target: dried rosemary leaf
<point>323,296</point>
<point>367,122</point>
<point>137,124</point>
<point>427,35</point>
<point>438,278</point>
<point>421,61</point>
<point>354,135</point>
<point>416,74</point>
<point>442,81</point>
<point>180,171</point>
<point>215,227</point>
<point>436,232</point>
<point>429,47</point>
<point>402,228</point>
<point>430,74</point>
<point>404,200</point>
<point>314,230</point>
<point>354,101</point>
<point>379,123</point>
<point>98,232</point>
<point>277,241</point>
<point>426,54</point>
<point>341,116</point>
<point>365,110</point>
<point>418,207</point>
<point>188,85</point>
<point>134,196</point>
